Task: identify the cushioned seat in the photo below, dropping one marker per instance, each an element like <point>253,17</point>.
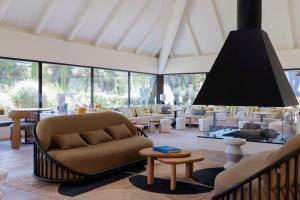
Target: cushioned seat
<point>103,156</point>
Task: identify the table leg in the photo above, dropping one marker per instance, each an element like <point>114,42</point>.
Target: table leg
<point>150,170</point>
<point>16,134</point>
<point>173,177</point>
<point>189,170</point>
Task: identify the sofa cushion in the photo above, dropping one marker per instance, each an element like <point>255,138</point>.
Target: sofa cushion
<point>96,158</point>
<point>230,177</point>
<point>96,137</point>
<point>119,131</point>
<point>69,141</point>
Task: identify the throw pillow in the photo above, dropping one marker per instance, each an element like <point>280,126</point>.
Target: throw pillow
<point>119,131</point>
<point>96,137</point>
<point>69,141</point>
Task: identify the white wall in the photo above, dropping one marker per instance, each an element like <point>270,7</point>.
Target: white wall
<point>288,58</point>
<point>28,46</point>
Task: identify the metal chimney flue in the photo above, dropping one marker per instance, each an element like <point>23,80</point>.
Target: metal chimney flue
<point>249,14</point>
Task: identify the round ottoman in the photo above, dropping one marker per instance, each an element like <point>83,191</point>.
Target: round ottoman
<point>180,123</point>
<point>165,125</point>
<point>233,150</point>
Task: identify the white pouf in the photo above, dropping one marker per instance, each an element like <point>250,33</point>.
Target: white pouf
<point>165,125</point>
<point>180,123</point>
<point>233,150</point>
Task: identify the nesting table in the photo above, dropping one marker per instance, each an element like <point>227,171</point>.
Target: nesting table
<point>173,159</point>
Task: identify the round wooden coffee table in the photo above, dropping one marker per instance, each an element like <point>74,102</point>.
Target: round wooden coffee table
<point>151,155</point>
<point>188,161</point>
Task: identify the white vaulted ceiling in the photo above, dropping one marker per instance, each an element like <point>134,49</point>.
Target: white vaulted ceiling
<point>158,29</point>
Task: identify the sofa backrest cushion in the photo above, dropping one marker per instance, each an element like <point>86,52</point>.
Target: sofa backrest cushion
<point>69,141</point>
<point>119,131</point>
<point>96,137</point>
<point>57,125</point>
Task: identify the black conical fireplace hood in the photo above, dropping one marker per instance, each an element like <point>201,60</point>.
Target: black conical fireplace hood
<point>247,71</point>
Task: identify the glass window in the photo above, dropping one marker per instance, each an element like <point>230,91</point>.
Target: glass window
<point>110,88</point>
<point>73,83</point>
<point>182,88</point>
<point>142,89</point>
<point>18,84</point>
<point>294,81</point>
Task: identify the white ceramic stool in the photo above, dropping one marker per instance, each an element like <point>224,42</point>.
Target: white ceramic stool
<point>180,123</point>
<point>233,150</point>
<point>165,125</point>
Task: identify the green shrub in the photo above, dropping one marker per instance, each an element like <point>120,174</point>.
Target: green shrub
<point>24,94</point>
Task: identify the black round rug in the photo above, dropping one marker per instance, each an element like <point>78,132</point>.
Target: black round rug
<point>163,186</point>
<point>207,176</point>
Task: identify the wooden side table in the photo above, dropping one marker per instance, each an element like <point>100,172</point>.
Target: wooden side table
<point>188,161</point>
<point>151,155</point>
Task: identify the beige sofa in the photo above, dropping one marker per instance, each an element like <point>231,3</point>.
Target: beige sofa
<point>56,158</point>
<point>258,162</point>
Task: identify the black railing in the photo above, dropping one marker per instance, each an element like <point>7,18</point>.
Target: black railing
<point>277,181</point>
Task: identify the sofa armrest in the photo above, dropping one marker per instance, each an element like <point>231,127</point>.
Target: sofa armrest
<point>230,177</point>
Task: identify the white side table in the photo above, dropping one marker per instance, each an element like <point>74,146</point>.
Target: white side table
<point>233,150</point>
<point>3,175</point>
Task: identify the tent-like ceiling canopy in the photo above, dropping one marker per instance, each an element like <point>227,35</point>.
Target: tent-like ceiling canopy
<point>165,33</point>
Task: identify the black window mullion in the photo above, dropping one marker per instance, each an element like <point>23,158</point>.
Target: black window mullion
<point>92,86</point>
<point>129,88</point>
<point>40,84</point>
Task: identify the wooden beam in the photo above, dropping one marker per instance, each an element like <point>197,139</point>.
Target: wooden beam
<point>3,8</point>
<point>190,27</point>
<point>153,28</point>
<point>80,20</point>
<point>217,15</point>
<point>109,22</point>
<point>131,27</point>
<point>47,12</point>
<point>288,24</point>
<point>170,33</point>
<point>156,51</point>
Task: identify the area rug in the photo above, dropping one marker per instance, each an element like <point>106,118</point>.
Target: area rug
<point>207,176</point>
<point>117,190</point>
<point>163,186</point>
